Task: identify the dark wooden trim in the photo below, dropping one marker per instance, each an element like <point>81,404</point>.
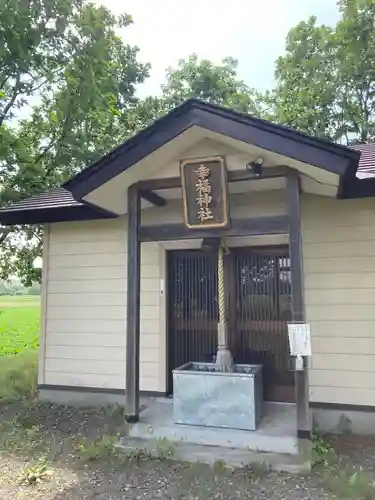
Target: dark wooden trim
<point>97,390</point>
<point>357,188</point>
<point>133,305</point>
<point>277,224</point>
<point>341,407</point>
<point>298,308</point>
<point>152,198</point>
<point>267,173</point>
<point>295,247</point>
<point>51,215</point>
<point>297,146</point>
<point>242,127</point>
<point>232,176</point>
<point>162,183</point>
<point>301,434</point>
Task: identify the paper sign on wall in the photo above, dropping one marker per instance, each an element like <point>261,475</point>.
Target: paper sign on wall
<point>299,339</point>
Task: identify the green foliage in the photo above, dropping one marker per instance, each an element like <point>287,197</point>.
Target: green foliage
<point>19,338</point>
<point>97,449</point>
<point>36,473</point>
<point>114,411</point>
<point>303,98</point>
<point>220,467</point>
<point>350,483</point>
<point>165,449</point>
<point>16,288</point>
<point>68,94</point>
<point>19,325</point>
<point>326,79</point>
<point>322,451</point>
<point>202,79</point>
<point>16,438</point>
<point>64,58</point>
<point>18,376</point>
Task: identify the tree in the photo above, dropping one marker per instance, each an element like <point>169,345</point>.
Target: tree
<point>303,97</point>
<point>82,80</point>
<point>202,79</point>
<point>326,79</point>
<point>199,79</point>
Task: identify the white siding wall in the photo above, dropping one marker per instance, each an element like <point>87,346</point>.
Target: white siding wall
<point>85,310</point>
<point>85,298</point>
<point>85,339</point>
<point>339,268</point>
<point>85,306</point>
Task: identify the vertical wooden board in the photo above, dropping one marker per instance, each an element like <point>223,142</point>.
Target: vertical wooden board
<point>298,309</point>
<point>133,306</point>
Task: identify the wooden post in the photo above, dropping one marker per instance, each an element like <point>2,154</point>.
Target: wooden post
<point>133,306</point>
<point>298,307</point>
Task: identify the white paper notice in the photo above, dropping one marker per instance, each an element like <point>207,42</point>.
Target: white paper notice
<point>299,339</point>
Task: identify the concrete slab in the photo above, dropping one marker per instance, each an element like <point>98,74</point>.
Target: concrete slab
<point>276,433</point>
<point>211,455</point>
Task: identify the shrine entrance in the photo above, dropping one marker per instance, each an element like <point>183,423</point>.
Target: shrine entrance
<point>261,290</point>
<point>258,305</point>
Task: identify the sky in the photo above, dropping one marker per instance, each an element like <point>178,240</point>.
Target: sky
<point>252,31</point>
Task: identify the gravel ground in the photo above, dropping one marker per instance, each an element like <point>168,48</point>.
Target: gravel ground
<point>77,449</point>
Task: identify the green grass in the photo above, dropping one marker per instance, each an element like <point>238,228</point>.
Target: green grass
<point>19,324</point>
<point>19,301</point>
<point>18,376</point>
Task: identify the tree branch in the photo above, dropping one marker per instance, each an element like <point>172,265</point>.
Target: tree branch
<point>11,101</point>
<point>4,81</point>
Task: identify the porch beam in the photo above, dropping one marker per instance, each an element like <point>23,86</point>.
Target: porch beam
<point>278,224</point>
<point>298,307</point>
<point>152,198</point>
<point>267,173</point>
<point>232,175</point>
<point>162,183</point>
<point>133,306</point>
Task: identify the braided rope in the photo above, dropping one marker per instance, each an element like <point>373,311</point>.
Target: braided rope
<point>220,279</point>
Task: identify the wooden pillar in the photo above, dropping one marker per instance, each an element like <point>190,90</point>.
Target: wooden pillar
<point>133,306</point>
<point>298,306</point>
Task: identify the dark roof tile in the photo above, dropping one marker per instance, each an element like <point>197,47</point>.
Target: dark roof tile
<point>56,198</point>
<point>366,167</point>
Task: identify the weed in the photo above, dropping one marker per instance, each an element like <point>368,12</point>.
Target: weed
<point>220,467</point>
<point>350,484</point>
<point>258,470</point>
<point>16,438</point>
<point>36,473</point>
<point>321,451</point>
<point>18,376</point>
<point>137,455</point>
<point>165,449</point>
<point>114,411</point>
<point>97,449</point>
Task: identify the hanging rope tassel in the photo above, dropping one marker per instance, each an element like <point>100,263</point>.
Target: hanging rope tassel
<point>224,360</point>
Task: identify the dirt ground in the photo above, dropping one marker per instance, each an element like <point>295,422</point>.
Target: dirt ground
<point>49,452</point>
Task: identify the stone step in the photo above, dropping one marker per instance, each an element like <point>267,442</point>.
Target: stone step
<point>223,438</point>
<point>214,455</point>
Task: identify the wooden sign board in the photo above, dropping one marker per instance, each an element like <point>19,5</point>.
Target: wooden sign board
<point>205,192</point>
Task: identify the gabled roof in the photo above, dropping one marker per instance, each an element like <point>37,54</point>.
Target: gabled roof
<point>242,127</point>
<point>64,203</point>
